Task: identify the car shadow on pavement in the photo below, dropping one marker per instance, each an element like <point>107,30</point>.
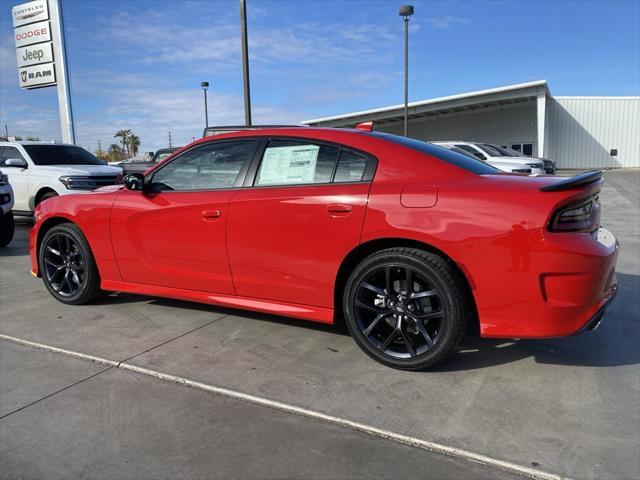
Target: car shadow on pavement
<point>123,298</point>
<point>616,342</point>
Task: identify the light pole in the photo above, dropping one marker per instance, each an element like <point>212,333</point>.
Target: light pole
<point>406,12</point>
<point>245,63</point>
<point>204,86</point>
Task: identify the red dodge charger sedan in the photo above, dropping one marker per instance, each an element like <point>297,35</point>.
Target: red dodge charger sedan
<point>406,241</point>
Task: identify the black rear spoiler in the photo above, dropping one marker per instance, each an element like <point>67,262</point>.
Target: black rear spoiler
<point>573,182</point>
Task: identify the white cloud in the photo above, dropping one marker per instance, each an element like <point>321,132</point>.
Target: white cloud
<point>144,59</point>
<point>447,21</point>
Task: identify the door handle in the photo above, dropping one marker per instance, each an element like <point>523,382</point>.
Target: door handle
<point>339,209</point>
<point>211,214</point>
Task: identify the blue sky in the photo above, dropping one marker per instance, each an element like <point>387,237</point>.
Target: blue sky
<point>138,64</point>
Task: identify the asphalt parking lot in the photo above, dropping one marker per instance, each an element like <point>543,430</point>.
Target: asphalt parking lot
<point>569,407</point>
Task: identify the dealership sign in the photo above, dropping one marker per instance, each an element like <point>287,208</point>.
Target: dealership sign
<point>30,34</point>
<point>35,75</point>
<point>38,30</point>
<point>34,54</point>
<point>30,12</point>
<point>34,46</point>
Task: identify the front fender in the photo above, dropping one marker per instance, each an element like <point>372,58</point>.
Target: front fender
<point>91,214</point>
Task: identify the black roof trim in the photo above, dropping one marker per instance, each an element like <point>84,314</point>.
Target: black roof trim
<point>211,131</point>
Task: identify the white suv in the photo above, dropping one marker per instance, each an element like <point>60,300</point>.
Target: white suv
<point>39,170</point>
<point>6,216</point>
<point>487,153</point>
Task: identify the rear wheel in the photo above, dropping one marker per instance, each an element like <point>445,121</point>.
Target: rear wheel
<point>67,265</point>
<point>406,308</point>
<point>7,228</point>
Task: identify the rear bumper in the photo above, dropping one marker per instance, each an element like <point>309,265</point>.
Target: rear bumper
<point>596,318</point>
<point>560,287</point>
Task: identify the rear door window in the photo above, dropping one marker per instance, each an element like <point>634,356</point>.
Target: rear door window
<point>293,162</point>
<point>351,167</point>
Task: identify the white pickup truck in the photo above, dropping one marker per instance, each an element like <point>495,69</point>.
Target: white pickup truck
<point>39,170</point>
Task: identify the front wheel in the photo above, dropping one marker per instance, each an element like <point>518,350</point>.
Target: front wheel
<point>406,308</point>
<point>7,228</point>
<point>67,265</point>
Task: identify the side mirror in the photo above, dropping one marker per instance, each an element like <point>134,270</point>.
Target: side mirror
<point>15,162</point>
<point>133,181</point>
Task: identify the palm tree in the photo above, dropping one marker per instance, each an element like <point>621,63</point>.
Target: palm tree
<point>114,152</point>
<point>134,144</point>
<point>123,135</point>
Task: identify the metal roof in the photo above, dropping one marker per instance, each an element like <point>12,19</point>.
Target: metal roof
<point>510,94</point>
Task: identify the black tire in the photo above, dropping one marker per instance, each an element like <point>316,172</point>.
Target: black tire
<point>46,196</point>
<point>427,321</point>
<point>67,265</point>
<point>7,227</point>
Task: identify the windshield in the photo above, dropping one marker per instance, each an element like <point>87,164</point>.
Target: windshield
<point>162,154</point>
<point>516,153</point>
<point>61,155</point>
<point>490,150</point>
<point>459,160</point>
<point>504,152</point>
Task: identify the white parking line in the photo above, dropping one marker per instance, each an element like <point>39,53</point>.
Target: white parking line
<point>293,409</point>
<point>49,348</point>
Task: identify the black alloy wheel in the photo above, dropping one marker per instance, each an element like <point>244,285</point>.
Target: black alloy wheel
<point>67,265</point>
<point>406,308</point>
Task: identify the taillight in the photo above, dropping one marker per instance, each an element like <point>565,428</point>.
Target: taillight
<point>580,216</point>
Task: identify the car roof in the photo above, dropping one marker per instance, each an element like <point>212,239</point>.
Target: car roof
<point>29,142</point>
<point>321,133</point>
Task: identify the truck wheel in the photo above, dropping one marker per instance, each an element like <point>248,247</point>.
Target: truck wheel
<point>46,196</point>
<point>7,227</point>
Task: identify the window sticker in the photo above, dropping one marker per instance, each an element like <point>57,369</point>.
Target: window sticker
<point>284,165</point>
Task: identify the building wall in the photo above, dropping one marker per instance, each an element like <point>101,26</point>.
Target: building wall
<point>581,131</point>
<point>501,125</point>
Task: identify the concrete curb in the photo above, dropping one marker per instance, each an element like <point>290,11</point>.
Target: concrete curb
<point>293,409</point>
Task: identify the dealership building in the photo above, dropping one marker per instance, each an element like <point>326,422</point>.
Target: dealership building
<point>576,132</point>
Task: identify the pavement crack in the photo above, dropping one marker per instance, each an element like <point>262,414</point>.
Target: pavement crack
<point>171,340</point>
<point>56,392</point>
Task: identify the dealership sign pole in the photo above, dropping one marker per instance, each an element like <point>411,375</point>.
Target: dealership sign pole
<point>41,55</point>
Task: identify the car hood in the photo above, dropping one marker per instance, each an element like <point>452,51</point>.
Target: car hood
<point>515,160</point>
<point>90,170</point>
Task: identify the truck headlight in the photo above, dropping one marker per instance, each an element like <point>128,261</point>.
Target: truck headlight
<point>77,183</point>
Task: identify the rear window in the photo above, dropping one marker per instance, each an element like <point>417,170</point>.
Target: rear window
<point>459,160</point>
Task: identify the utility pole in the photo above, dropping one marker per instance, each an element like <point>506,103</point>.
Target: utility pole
<point>169,139</point>
<point>99,147</point>
<point>245,63</point>
<point>6,131</point>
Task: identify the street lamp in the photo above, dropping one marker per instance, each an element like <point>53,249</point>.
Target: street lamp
<point>204,86</point>
<point>405,12</point>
